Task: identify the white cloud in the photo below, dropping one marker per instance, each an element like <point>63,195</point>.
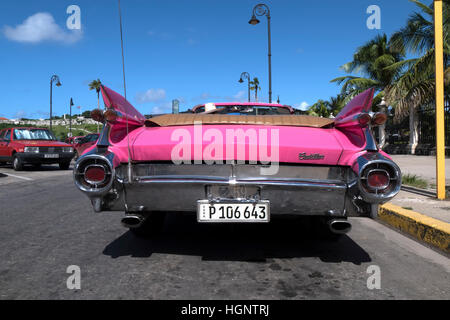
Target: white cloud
<point>165,107</point>
<point>206,96</point>
<point>38,28</point>
<point>151,95</point>
<point>303,106</point>
<point>241,95</point>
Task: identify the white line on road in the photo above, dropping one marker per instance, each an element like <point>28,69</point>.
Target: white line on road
<point>18,177</point>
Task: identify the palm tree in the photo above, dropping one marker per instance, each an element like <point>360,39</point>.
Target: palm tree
<point>95,85</point>
<point>319,109</point>
<point>254,85</point>
<point>416,87</point>
<point>336,104</point>
<point>371,62</point>
<point>327,109</point>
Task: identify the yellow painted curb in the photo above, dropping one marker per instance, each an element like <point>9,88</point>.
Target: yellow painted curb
<point>422,227</point>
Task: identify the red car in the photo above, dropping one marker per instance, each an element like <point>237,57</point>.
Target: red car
<point>84,143</point>
<point>34,146</point>
<point>73,140</point>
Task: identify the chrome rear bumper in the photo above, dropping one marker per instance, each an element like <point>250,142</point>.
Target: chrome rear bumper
<point>305,190</point>
<point>296,189</point>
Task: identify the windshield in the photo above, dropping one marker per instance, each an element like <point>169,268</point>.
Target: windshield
<point>248,110</point>
<point>33,134</point>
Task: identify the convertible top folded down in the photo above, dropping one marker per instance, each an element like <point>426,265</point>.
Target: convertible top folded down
<point>168,120</point>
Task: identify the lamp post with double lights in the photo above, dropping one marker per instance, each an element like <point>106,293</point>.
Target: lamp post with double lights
<point>261,10</point>
<point>246,75</point>
<point>58,84</point>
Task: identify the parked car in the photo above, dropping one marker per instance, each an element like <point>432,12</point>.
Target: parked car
<point>230,163</point>
<point>85,143</point>
<point>73,140</point>
<point>35,146</point>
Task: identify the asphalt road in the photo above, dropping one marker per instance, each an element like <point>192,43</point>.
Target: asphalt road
<point>46,225</point>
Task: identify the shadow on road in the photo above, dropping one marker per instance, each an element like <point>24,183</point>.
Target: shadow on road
<point>282,238</point>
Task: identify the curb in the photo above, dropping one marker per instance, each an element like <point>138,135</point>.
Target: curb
<point>432,231</point>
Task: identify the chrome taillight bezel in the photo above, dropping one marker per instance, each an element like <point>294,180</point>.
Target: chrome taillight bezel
<point>383,194</point>
<point>93,187</point>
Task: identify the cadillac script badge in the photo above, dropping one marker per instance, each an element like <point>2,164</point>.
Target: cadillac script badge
<point>315,156</point>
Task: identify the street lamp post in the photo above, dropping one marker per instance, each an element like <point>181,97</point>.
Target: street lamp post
<point>70,119</point>
<point>246,75</point>
<point>58,84</point>
<point>260,10</point>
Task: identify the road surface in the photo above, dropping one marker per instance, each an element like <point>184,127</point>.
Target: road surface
<point>47,225</point>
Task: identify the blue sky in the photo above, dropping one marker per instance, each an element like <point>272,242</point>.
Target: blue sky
<point>191,50</point>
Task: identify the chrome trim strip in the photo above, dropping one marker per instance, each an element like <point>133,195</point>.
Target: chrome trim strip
<point>371,144</point>
<point>226,181</point>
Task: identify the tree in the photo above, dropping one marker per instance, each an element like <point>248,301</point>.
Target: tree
<point>254,85</point>
<point>328,109</point>
<point>96,85</point>
<point>374,62</point>
<point>336,104</point>
<point>86,114</point>
<point>320,109</point>
<point>416,86</point>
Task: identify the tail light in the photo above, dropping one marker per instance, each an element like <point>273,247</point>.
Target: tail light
<point>378,179</point>
<point>379,119</point>
<point>97,115</point>
<point>364,119</point>
<point>110,115</point>
<point>93,174</point>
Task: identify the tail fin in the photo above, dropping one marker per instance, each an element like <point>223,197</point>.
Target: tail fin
<point>124,110</point>
<point>362,103</point>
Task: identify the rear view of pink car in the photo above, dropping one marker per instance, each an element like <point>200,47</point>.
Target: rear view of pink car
<point>237,163</point>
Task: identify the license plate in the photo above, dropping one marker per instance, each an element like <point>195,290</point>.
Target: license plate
<point>51,156</point>
<point>233,212</point>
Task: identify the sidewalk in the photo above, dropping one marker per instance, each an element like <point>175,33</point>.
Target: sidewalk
<point>418,212</point>
<point>425,168</point>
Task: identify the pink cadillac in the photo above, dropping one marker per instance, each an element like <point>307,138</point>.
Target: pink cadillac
<point>237,162</point>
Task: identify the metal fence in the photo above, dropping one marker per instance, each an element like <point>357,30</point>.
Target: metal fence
<point>398,133</point>
<point>427,124</point>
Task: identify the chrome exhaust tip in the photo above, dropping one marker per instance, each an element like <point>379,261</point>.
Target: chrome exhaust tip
<point>339,226</point>
<point>132,221</point>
